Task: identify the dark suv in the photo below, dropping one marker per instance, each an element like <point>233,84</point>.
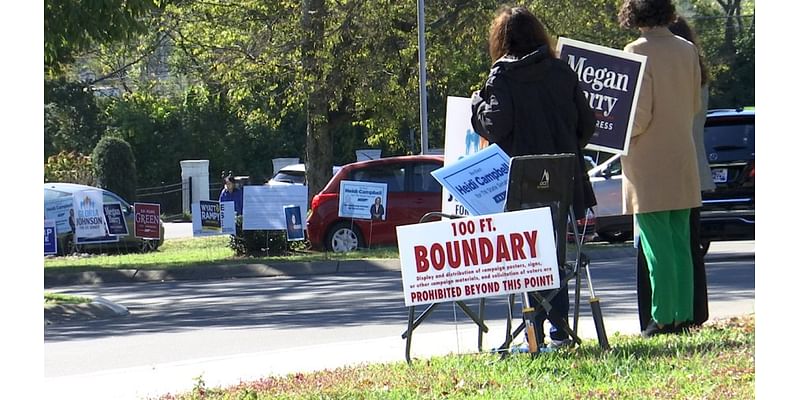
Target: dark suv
<point>728,212</point>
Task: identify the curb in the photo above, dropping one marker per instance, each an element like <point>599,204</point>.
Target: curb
<point>218,272</point>
<point>99,308</point>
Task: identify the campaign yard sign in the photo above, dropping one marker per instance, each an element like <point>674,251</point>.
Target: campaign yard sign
<point>611,80</point>
<point>363,200</point>
<point>228,217</point>
<point>263,205</point>
<point>460,140</point>
<point>146,220</point>
<point>115,219</point>
<point>88,216</point>
<point>479,181</point>
<point>480,256</point>
<point>294,227</point>
<point>50,238</point>
<point>210,216</point>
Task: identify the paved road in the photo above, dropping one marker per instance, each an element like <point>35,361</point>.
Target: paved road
<point>244,329</point>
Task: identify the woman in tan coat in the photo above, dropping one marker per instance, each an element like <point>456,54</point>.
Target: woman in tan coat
<point>660,175</point>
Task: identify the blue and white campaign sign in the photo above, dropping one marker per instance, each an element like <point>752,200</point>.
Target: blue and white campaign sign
<point>363,200</point>
<point>213,218</point>
<point>474,257</point>
<point>58,211</point>
<point>610,80</point>
<point>479,181</point>
<point>50,237</point>
<point>89,218</point>
<point>228,217</point>
<point>294,228</point>
<point>115,219</point>
<point>459,141</point>
<point>263,205</point>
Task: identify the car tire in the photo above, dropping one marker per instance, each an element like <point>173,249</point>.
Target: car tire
<point>343,237</point>
<point>615,236</point>
<point>146,246</point>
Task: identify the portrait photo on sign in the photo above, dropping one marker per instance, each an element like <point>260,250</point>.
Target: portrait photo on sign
<point>363,200</point>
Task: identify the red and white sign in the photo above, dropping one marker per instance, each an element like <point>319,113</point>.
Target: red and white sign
<point>489,255</point>
<point>146,223</point>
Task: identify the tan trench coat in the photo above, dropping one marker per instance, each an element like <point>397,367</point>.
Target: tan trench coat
<point>660,171</point>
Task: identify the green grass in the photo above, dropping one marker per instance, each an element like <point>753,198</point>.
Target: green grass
<point>57,298</point>
<point>187,252</point>
<point>715,362</point>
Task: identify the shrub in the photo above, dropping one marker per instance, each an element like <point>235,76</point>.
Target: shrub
<point>115,167</point>
<point>69,167</point>
<point>258,243</point>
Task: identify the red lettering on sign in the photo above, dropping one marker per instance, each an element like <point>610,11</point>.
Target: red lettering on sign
<point>421,255</point>
<point>531,238</point>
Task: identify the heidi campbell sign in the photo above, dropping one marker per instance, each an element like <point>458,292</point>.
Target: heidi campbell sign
<point>466,258</point>
<point>611,80</point>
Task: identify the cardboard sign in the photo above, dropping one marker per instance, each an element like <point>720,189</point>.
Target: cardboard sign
<point>263,205</point>
<point>363,200</point>
<point>294,226</point>
<point>466,258</point>
<point>115,219</point>
<point>478,181</point>
<point>610,80</point>
<point>147,218</point>
<point>87,214</point>
<point>50,238</point>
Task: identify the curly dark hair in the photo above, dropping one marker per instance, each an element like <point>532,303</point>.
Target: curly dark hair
<point>516,31</point>
<point>680,27</point>
<point>646,13</point>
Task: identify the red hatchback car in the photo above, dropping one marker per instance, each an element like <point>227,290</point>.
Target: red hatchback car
<point>412,192</point>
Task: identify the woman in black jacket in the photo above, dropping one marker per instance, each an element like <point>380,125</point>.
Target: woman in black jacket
<point>532,104</point>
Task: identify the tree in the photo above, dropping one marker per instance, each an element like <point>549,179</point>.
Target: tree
<point>115,167</point>
<point>71,26</point>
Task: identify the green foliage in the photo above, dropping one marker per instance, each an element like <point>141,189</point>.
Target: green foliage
<point>69,167</point>
<point>71,26</point>
<point>115,167</point>
<point>258,243</point>
<point>72,118</point>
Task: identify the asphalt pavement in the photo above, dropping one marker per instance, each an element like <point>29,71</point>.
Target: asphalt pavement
<point>153,380</point>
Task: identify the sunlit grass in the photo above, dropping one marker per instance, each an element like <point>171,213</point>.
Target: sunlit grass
<point>715,362</point>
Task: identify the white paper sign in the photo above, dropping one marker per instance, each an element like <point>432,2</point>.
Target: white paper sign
<point>228,210</point>
<point>58,211</point>
<point>466,258</point>
<point>479,181</point>
<point>363,200</point>
<point>263,205</point>
<point>88,216</point>
<point>459,141</point>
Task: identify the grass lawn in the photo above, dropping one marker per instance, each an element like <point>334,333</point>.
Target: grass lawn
<point>177,253</point>
<point>58,298</point>
<point>715,362</point>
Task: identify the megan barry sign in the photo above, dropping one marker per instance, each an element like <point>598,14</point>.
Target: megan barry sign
<point>610,80</point>
<point>476,257</point>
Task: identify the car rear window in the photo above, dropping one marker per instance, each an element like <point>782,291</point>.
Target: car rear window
<point>290,177</point>
<point>728,142</point>
<point>394,176</point>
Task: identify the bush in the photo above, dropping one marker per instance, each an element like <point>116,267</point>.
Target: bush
<point>258,243</point>
<point>69,167</point>
<point>115,167</point>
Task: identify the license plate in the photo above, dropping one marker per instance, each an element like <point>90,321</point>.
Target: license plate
<point>720,175</point>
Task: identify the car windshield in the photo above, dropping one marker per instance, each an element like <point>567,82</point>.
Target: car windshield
<point>730,142</point>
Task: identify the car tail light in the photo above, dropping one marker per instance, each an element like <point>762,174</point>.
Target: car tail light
<point>752,173</point>
<point>321,198</point>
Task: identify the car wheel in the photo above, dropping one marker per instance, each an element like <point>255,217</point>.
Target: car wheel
<point>615,236</point>
<point>344,237</point>
<point>704,245</point>
<point>146,246</point>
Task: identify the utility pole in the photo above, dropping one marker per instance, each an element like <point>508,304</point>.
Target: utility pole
<point>423,92</point>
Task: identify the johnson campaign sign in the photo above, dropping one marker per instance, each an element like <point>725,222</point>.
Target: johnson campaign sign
<point>88,216</point>
<point>465,258</point>
<point>610,80</point>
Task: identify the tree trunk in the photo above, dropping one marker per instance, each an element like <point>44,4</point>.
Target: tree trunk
<point>319,159</point>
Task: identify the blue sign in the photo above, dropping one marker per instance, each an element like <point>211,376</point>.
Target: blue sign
<point>294,224</point>
<point>50,238</point>
<point>115,219</point>
<point>478,181</point>
<point>610,79</point>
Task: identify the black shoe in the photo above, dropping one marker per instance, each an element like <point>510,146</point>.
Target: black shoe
<point>653,329</point>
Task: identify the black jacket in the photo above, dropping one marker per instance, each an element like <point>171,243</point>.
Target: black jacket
<point>533,105</point>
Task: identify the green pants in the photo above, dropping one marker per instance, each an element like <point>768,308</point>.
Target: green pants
<point>664,237</point>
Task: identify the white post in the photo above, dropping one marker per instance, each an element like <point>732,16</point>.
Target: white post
<point>198,171</point>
